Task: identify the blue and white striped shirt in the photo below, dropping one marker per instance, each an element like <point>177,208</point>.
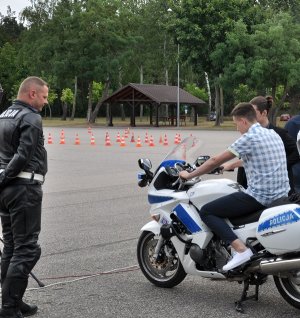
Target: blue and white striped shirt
<point>264,158</point>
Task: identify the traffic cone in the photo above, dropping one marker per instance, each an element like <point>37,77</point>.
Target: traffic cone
<point>50,141</point>
<point>176,140</point>
<point>138,142</point>
<point>62,140</point>
<point>132,138</point>
<point>151,142</point>
<point>92,142</point>
<point>77,140</point>
<point>165,141</point>
<point>179,139</point>
<point>146,139</point>
<point>118,138</point>
<point>107,140</point>
<point>62,134</point>
<point>89,129</point>
<point>160,139</point>
<point>122,144</point>
<point>126,133</point>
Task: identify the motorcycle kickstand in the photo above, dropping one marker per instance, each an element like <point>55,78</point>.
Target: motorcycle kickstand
<point>244,297</point>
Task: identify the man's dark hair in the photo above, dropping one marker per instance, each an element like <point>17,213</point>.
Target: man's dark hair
<point>262,103</point>
<point>245,110</point>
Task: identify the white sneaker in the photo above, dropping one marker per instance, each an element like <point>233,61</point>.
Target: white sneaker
<point>238,259</point>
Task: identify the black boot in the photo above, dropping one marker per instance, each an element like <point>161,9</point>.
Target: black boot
<point>28,310</point>
<point>13,290</point>
<point>10,313</point>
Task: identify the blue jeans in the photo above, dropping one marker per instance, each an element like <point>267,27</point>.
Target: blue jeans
<point>232,205</point>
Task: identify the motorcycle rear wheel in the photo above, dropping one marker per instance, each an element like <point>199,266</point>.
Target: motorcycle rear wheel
<point>166,272</point>
<point>289,289</point>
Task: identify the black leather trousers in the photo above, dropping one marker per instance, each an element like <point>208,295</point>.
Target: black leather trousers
<point>20,211</point>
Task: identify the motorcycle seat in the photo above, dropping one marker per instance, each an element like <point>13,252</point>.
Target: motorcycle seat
<point>254,217</point>
<point>246,219</point>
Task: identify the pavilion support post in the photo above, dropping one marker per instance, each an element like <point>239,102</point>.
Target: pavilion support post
<point>151,114</point>
<point>156,121</point>
<point>195,116</point>
<point>132,117</point>
<point>172,114</point>
<point>110,120</point>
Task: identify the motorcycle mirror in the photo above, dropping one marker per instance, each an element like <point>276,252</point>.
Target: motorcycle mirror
<point>200,160</point>
<point>145,164</point>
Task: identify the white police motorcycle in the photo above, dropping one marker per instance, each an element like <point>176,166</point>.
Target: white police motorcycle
<point>176,242</point>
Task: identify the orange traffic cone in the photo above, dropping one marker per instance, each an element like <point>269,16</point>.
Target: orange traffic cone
<point>122,144</point>
<point>126,133</point>
<point>89,129</point>
<point>62,140</point>
<point>62,133</point>
<point>118,138</point>
<point>50,141</point>
<point>77,140</point>
<point>151,142</point>
<point>138,142</point>
<point>176,140</point>
<point>165,141</point>
<point>93,143</point>
<point>107,140</point>
<point>160,139</point>
<point>179,139</point>
<point>132,138</point>
<point>146,139</point>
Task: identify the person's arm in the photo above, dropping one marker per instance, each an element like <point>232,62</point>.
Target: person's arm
<point>209,165</point>
<point>292,155</point>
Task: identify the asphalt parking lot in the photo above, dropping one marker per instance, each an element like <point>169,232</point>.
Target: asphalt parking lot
<point>92,214</point>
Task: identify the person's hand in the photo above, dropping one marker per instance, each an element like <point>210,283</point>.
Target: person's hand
<point>228,166</point>
<point>184,175</point>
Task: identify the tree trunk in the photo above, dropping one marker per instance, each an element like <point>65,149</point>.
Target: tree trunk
<point>90,101</point>
<point>74,100</point>
<point>100,102</point>
<point>221,103</point>
<point>217,105</point>
<point>208,92</point>
<point>64,111</point>
<point>274,110</point>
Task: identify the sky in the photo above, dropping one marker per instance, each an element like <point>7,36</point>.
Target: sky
<point>16,5</point>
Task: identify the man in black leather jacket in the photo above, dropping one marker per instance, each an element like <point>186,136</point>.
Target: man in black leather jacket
<point>23,165</point>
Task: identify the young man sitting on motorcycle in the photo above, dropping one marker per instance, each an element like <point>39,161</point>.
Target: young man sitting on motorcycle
<point>264,158</point>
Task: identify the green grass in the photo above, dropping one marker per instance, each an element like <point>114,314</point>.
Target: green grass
<point>117,122</point>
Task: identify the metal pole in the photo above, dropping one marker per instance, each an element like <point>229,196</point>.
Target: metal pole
<point>178,80</point>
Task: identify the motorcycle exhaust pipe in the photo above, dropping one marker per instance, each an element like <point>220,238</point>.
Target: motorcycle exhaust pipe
<point>278,265</point>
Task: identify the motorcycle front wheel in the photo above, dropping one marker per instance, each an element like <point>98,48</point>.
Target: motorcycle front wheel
<point>164,271</point>
<point>289,289</point>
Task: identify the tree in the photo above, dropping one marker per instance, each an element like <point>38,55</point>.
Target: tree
<point>67,97</point>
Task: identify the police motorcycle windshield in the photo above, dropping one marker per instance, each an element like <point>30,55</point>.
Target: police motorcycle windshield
<point>187,151</point>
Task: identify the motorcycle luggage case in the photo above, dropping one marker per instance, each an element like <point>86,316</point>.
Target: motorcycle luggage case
<point>278,229</point>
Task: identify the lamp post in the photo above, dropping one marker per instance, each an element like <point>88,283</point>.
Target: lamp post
<point>178,91</point>
<point>178,82</point>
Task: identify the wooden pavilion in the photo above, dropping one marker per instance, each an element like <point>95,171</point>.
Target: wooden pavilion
<point>154,96</point>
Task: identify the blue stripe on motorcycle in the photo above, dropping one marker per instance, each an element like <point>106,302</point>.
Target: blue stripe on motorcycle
<point>170,163</point>
<point>186,219</point>
<point>284,218</point>
<point>158,199</point>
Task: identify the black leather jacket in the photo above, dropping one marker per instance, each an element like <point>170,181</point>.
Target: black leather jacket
<point>21,142</point>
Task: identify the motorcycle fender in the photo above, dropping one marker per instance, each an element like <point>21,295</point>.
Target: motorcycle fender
<point>152,226</point>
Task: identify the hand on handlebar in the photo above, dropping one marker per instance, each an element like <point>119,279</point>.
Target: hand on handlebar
<point>184,175</point>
